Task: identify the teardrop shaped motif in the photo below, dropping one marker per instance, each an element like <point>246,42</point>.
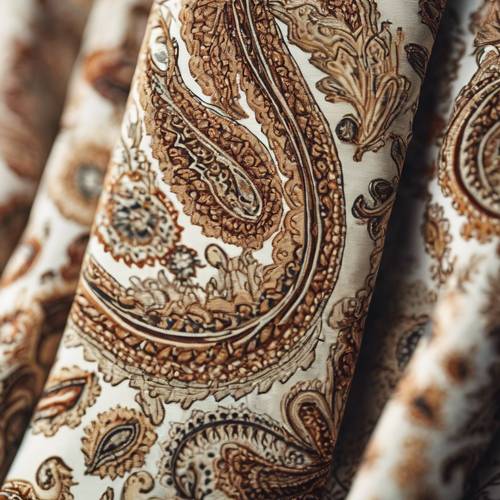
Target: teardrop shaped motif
<point>117,441</point>
<point>69,392</point>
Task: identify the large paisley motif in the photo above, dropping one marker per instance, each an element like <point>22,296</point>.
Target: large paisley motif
<point>236,453</point>
<point>251,169</point>
<point>470,156</point>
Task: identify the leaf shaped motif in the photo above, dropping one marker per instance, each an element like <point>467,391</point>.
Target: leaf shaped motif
<point>272,183</point>
<point>418,57</point>
<point>116,442</point>
<point>68,394</point>
<point>59,398</point>
<point>54,480</point>
<point>241,204</point>
<point>360,58</point>
<point>239,454</point>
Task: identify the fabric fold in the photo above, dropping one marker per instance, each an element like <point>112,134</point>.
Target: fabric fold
<point>39,41</point>
<point>39,282</point>
<point>215,330</point>
<point>443,413</point>
<point>418,256</point>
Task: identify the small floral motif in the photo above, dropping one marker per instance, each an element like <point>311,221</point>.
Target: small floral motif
<point>138,224</point>
<point>182,263</point>
<point>78,180</point>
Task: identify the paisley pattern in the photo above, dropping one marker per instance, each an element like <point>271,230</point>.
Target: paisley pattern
<point>67,395</point>
<point>116,442</point>
<point>341,35</point>
<point>469,163</point>
<point>190,338</point>
<point>252,456</point>
<point>54,480</point>
<point>441,415</point>
<point>423,249</point>
<point>39,281</point>
<point>221,303</point>
<point>35,42</point>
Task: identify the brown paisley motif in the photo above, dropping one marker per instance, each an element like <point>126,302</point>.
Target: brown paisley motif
<point>29,337</point>
<point>110,73</point>
<point>54,480</point>
<point>269,207</point>
<point>348,315</point>
<point>116,442</point>
<point>21,261</point>
<point>18,394</point>
<point>240,454</point>
<point>341,35</point>
<point>470,160</point>
<point>238,197</point>
<point>67,395</point>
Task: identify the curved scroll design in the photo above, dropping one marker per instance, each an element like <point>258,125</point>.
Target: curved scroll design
<point>255,173</point>
<point>54,480</point>
<point>244,455</point>
<point>469,162</point>
<point>136,487</point>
